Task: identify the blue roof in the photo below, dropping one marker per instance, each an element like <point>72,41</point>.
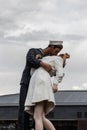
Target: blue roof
<point>71,97</point>
<point>9,100</point>
<point>61,97</point>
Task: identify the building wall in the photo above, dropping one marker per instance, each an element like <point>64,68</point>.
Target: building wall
<point>82,125</point>
<point>63,117</point>
<point>69,112</point>
<point>8,113</point>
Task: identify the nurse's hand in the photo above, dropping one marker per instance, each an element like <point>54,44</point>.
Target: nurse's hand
<point>55,88</point>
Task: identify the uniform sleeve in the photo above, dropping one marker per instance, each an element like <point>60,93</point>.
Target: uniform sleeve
<point>31,60</point>
<point>59,71</point>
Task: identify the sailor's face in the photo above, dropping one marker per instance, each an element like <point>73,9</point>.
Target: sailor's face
<point>55,51</point>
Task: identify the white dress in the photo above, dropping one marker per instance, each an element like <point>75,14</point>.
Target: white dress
<point>40,87</point>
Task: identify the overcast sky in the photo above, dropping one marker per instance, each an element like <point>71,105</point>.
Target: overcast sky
<point>32,23</point>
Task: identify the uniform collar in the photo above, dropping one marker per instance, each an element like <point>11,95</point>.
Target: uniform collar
<point>41,50</point>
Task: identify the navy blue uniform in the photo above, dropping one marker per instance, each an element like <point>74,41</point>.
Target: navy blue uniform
<point>31,61</point>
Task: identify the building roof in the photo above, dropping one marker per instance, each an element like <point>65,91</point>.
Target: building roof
<point>9,100</point>
<point>61,97</point>
<point>71,97</point>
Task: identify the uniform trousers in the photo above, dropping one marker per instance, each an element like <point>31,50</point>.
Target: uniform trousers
<point>23,117</point>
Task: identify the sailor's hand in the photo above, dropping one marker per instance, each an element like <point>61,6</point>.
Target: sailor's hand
<point>38,56</point>
<point>46,66</point>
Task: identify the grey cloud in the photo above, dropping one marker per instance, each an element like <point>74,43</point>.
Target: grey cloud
<point>75,37</point>
<point>12,14</point>
<point>45,35</point>
<point>34,36</point>
<point>72,7</point>
<point>9,82</point>
<point>7,23</point>
<point>36,12</point>
<point>12,57</point>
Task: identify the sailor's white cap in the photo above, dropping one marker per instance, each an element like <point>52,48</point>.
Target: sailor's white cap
<point>55,43</point>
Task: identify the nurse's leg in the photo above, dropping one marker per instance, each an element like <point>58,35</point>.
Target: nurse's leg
<point>38,115</point>
<point>47,124</point>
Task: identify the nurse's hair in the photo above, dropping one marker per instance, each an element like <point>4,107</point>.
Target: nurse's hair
<point>61,55</point>
<point>67,55</point>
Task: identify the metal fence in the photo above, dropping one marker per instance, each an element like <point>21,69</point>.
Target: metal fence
<point>8,126</point>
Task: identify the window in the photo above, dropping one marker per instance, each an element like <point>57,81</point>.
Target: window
<point>85,114</point>
<point>79,114</point>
